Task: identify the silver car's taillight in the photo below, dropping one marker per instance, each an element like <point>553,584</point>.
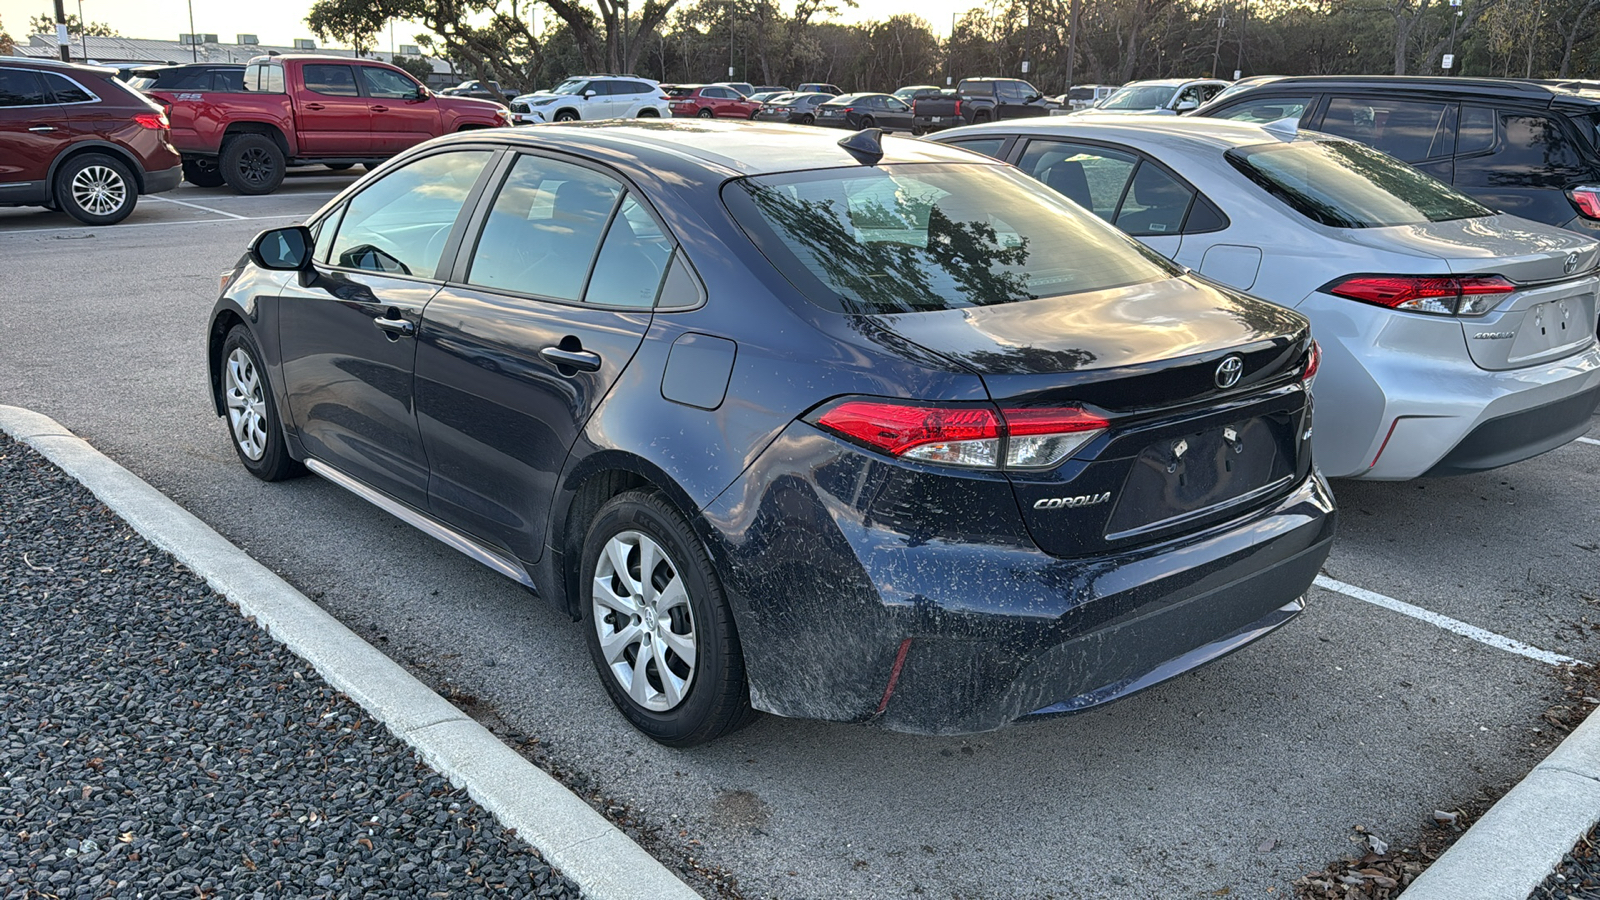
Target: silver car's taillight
<point>1440,295</point>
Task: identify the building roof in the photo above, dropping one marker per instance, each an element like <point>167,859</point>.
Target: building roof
<point>147,51</point>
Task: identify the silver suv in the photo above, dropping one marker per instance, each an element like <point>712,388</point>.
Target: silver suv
<point>589,97</point>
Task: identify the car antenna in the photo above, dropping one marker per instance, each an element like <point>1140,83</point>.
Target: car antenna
<point>1287,128</point>
<point>865,145</point>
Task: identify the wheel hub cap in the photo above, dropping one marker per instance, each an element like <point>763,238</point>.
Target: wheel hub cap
<point>247,405</point>
<point>99,190</point>
<point>641,614</point>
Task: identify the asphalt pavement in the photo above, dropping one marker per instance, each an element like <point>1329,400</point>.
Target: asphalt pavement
<point>1243,775</point>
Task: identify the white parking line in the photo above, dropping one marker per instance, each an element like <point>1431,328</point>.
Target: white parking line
<point>113,229</point>
<point>1589,441</point>
<point>194,206</point>
<point>1480,635</point>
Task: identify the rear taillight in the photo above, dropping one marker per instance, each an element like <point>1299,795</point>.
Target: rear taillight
<point>1444,295</point>
<point>973,437</point>
<point>1313,363</point>
<point>152,121</point>
<point>1586,199</point>
<point>958,107</point>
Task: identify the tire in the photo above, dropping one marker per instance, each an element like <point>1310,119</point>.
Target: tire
<point>202,173</point>
<point>254,428</point>
<point>340,167</point>
<point>566,115</point>
<point>706,114</point>
<point>918,131</point>
<point>712,695</point>
<point>980,118</point>
<point>754,113</point>
<point>648,113</point>
<point>808,119</point>
<point>96,189</point>
<point>866,122</point>
<point>252,164</point>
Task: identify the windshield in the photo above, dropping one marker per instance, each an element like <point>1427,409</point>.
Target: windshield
<point>1150,96</point>
<point>571,86</point>
<point>1350,185</point>
<point>909,238</point>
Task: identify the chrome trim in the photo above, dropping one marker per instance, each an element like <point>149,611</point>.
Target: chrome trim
<point>424,523</point>
<point>1241,500</point>
<point>43,72</point>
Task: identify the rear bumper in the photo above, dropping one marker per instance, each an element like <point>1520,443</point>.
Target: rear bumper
<point>1520,435</point>
<point>163,181</point>
<point>845,616</point>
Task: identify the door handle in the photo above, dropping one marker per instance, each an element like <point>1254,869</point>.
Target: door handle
<point>582,360</point>
<point>379,108</point>
<point>396,328</point>
<point>42,128</point>
<point>316,107</point>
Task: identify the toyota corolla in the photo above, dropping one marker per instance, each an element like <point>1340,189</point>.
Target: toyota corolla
<point>870,430</point>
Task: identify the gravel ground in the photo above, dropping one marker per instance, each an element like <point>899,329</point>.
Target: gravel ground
<point>155,743</point>
<point>1578,876</point>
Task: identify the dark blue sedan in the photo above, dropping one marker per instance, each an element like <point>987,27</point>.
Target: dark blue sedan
<point>871,430</point>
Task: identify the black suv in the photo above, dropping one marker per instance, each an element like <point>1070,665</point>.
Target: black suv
<point>1523,147</point>
<point>189,77</point>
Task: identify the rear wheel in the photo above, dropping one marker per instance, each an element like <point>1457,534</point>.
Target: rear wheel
<point>96,189</point>
<point>808,119</point>
<point>202,173</point>
<point>867,122</point>
<point>660,631</point>
<point>705,113</point>
<point>253,421</point>
<point>252,164</point>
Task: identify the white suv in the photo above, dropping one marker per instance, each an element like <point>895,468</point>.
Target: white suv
<point>590,97</point>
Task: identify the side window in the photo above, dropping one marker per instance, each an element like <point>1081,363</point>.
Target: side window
<point>400,223</point>
<point>542,233</point>
<point>386,84</point>
<point>64,90</point>
<point>1010,92</point>
<point>1092,177</point>
<point>187,80</point>
<point>264,78</point>
<point>337,81</point>
<point>1207,91</point>
<point>1156,203</point>
<point>229,80</point>
<point>21,87</point>
<point>681,288</point>
<point>1410,130</point>
<point>1266,110</point>
<point>986,146</point>
<point>632,260</point>
<point>1477,130</point>
<point>1190,94</point>
<point>1535,142</point>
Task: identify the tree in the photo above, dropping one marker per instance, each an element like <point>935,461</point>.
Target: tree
<point>7,45</point>
<point>419,68</point>
<point>345,23</point>
<point>46,24</point>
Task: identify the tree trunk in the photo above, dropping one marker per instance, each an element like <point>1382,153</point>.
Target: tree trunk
<point>1572,38</point>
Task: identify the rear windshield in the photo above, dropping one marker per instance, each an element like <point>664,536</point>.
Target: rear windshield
<point>679,91</point>
<point>910,238</point>
<point>1150,96</point>
<point>1350,185</point>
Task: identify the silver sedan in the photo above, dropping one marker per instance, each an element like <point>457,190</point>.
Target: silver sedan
<point>1454,339</point>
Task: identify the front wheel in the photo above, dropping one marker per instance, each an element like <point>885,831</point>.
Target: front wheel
<point>705,114</point>
<point>96,189</point>
<point>659,629</point>
<point>252,164</point>
<point>649,113</point>
<point>566,115</point>
<point>253,421</point>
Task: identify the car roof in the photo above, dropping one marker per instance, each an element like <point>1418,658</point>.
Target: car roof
<point>1173,82</point>
<point>1532,89</point>
<point>732,148</point>
<point>1151,130</point>
<point>46,63</point>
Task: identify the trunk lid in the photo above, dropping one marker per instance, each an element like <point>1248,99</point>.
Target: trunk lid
<point>1181,451</point>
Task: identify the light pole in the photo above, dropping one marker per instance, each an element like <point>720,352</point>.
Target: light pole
<point>83,32</point>
<point>194,39</point>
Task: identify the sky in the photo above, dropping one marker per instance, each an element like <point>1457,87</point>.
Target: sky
<point>283,21</point>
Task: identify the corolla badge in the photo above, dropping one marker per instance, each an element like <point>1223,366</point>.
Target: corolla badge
<point>1072,502</point>
<point>1571,264</point>
<point>1229,371</point>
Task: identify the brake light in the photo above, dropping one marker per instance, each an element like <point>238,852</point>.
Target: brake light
<point>1313,363</point>
<point>152,121</point>
<point>1444,295</point>
<point>1587,200</point>
<point>958,106</point>
<point>972,437</point>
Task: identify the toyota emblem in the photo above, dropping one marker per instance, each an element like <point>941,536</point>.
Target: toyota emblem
<point>1229,371</point>
<point>1572,263</point>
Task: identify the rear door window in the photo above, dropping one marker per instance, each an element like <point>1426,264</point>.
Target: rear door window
<point>1506,148</point>
<point>1155,203</point>
<point>1410,130</point>
<point>541,235</point>
<point>65,90</point>
<point>1093,177</point>
<point>21,87</point>
<point>986,146</point>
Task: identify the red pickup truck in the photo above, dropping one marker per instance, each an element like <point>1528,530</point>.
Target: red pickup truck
<point>303,110</point>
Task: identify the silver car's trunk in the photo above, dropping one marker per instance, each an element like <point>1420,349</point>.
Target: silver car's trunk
<point>1552,314</point>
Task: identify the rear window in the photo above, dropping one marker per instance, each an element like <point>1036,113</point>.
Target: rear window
<point>679,91</point>
<point>1348,185</point>
<point>910,238</point>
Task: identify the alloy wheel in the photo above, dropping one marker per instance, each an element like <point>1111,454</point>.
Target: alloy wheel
<point>99,190</point>
<point>642,616</point>
<point>255,166</point>
<point>247,404</point>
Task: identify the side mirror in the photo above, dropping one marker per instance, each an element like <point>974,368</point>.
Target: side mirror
<point>1186,105</point>
<point>1034,98</point>
<point>423,93</point>
<point>283,249</point>
<point>590,93</point>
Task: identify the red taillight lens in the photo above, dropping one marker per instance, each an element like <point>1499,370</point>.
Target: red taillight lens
<point>1445,295</point>
<point>958,107</point>
<point>1313,363</point>
<point>967,436</point>
<point>1587,200</point>
<point>152,121</point>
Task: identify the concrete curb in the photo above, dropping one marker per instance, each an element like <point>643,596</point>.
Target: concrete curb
<point>574,838</point>
<point>1521,839</point>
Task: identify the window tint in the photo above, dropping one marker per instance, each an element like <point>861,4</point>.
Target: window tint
<point>64,90</point>
<point>1411,130</point>
<point>977,88</point>
<point>21,87</point>
<point>909,238</point>
<point>543,230</point>
<point>1092,177</point>
<point>632,260</point>
<point>1266,110</point>
<point>1348,185</point>
<point>1477,130</point>
<point>1011,92</point>
<point>386,84</point>
<point>986,146</point>
<point>400,223</point>
<point>186,80</point>
<point>1156,203</point>
<point>336,80</point>
<point>1529,150</point>
<point>231,80</point>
